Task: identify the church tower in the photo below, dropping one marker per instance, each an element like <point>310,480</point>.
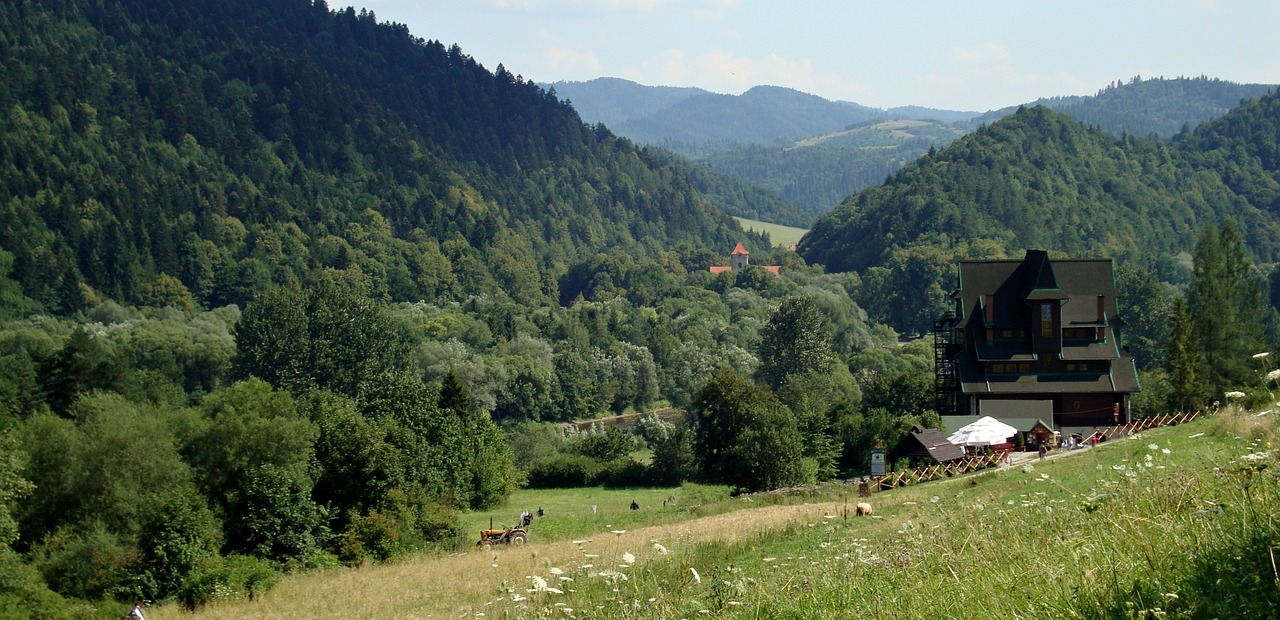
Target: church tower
<point>738,257</point>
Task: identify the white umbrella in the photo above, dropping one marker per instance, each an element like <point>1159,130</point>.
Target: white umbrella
<point>985,432</point>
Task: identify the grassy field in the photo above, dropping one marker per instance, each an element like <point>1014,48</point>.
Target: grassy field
<point>779,234</point>
<point>1179,522</point>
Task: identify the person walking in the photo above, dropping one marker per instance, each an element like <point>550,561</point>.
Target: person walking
<point>1043,450</point>
<point>136,612</point>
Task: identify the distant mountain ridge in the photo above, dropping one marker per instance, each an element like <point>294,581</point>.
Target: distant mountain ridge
<point>1041,179</point>
<point>690,118</point>
<point>760,136</point>
<point>1143,107</point>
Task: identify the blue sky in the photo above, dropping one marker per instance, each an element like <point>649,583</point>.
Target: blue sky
<point>960,55</point>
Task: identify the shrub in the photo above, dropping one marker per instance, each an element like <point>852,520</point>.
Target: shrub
<point>231,577</point>
<point>563,471</point>
<point>23,594</point>
<point>623,473</point>
<point>86,565</point>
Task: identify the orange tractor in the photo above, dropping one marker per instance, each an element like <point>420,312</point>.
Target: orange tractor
<point>514,536</point>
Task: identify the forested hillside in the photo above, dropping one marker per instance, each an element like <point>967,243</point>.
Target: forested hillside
<point>1039,179</point>
<point>275,279</point>
<point>1155,106</point>
<point>815,171</point>
<point>155,151</point>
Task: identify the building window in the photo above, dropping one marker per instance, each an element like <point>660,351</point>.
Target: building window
<point>1046,320</point>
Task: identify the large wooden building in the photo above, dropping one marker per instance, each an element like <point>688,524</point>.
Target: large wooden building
<point>1035,339</point>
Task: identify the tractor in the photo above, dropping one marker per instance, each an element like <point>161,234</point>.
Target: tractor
<point>514,536</point>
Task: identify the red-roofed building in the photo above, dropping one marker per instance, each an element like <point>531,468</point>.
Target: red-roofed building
<point>738,260</point>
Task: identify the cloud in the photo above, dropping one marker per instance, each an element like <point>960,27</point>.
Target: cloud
<point>560,57</point>
<point>985,54</point>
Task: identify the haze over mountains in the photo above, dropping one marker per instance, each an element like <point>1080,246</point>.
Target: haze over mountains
<point>767,135</point>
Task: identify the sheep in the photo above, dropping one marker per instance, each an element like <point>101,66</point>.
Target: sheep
<point>863,508</point>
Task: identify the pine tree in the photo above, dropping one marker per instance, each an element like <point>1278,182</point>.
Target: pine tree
<point>1183,359</point>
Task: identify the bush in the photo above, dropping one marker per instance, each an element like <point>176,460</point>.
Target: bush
<point>624,473</point>
<point>85,565</point>
<point>231,577</point>
<point>23,594</point>
<point>563,471</point>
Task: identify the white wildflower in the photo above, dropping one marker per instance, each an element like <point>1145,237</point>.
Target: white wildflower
<point>556,571</point>
<point>628,558</point>
<point>1261,355</point>
<point>696,578</point>
<point>1273,375</point>
<point>539,584</point>
<point>659,548</point>
<point>517,597</point>
<point>1153,446</point>
<point>1234,394</point>
<point>1166,451</point>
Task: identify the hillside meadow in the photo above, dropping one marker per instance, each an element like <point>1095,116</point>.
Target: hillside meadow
<point>1177,522</point>
<point>784,236</point>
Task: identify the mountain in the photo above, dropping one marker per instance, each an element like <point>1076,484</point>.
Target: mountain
<point>760,115</point>
<point>208,150</point>
<point>613,101</point>
<point>1040,179</point>
<point>816,173</point>
<point>1158,106</point>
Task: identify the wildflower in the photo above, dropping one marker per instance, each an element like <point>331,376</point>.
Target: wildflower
<point>1153,446</point>
<point>519,597</point>
<point>1234,394</point>
<point>696,578</point>
<point>1261,355</point>
<point>556,571</point>
<point>628,558</point>
<point>1166,451</point>
<point>1273,375</point>
<point>659,548</point>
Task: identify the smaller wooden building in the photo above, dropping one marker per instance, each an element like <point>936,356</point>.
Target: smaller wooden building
<point>925,444</point>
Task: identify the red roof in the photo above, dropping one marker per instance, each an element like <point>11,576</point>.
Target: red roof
<point>720,268</point>
<point>738,249</point>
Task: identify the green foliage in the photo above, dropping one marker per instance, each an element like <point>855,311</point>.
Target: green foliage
<point>1224,303</point>
<point>227,578</point>
<point>1038,179</point>
<point>795,341</point>
<point>604,444</point>
<point>745,437</point>
<point>23,593</point>
<point>322,337</point>
<point>14,489</point>
<point>563,471</point>
<point>174,541</point>
<point>146,168</point>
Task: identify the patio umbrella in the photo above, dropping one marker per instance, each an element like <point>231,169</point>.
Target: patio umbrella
<point>985,432</point>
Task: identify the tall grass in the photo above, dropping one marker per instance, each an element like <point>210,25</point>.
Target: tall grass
<point>1176,522</point>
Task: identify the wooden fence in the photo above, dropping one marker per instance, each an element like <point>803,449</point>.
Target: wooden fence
<point>974,463</point>
<point>941,470</point>
<point>1137,426</point>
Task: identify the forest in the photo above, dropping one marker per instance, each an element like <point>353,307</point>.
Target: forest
<point>285,288</point>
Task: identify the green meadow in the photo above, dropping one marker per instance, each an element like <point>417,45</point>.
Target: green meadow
<point>779,234</point>
<point>1176,522</point>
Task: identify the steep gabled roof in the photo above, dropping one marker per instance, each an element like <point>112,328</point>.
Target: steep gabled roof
<point>738,249</point>
<point>927,442</point>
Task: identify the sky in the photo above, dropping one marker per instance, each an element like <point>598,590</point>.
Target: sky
<point>973,55</point>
